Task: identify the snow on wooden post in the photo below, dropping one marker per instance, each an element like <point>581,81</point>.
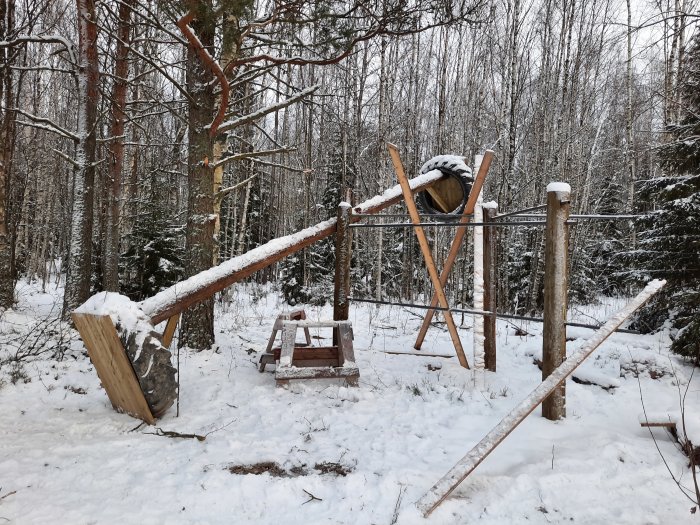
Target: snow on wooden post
<point>556,263</point>
<point>478,292</point>
<point>443,488</point>
<point>343,257</point>
<point>490,211</point>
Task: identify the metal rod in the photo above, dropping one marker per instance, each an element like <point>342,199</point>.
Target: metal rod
<point>604,217</point>
<point>407,215</point>
<point>419,306</point>
<point>448,224</point>
<point>520,212</point>
<point>485,313</point>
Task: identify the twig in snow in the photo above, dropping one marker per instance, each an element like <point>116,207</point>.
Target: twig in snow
<point>172,434</point>
<point>552,456</point>
<point>395,516</point>
<point>311,497</point>
<point>8,494</point>
<point>138,427</point>
<point>658,449</point>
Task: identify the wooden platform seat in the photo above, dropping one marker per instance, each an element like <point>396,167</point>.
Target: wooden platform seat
<point>268,358</point>
<point>297,362</point>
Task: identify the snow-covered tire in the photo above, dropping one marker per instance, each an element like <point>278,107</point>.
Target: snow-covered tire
<point>453,167</point>
<point>156,375</point>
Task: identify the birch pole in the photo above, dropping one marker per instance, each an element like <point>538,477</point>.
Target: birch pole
<point>478,293</point>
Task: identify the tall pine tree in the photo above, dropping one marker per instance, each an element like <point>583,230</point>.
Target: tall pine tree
<point>669,236</point>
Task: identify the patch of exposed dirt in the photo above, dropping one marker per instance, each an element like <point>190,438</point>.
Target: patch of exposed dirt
<point>276,470</point>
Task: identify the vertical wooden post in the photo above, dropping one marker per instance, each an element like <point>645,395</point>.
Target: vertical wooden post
<point>343,257</point>
<point>490,211</point>
<point>556,264</point>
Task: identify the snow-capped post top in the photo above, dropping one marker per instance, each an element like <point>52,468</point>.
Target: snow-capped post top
<point>344,204</point>
<point>490,205</point>
<point>559,187</point>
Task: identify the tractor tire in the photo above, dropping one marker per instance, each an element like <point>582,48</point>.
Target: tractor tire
<point>456,187</point>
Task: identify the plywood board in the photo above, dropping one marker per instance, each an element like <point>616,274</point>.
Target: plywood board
<point>112,365</point>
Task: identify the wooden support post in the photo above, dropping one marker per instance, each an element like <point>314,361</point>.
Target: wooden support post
<point>169,331</point>
<point>343,257</point>
<point>490,212</point>
<point>556,283</point>
<point>456,242</point>
<point>443,488</point>
<point>427,254</point>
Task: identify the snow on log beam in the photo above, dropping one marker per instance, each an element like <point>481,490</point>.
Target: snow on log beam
<point>443,488</point>
<point>205,284</point>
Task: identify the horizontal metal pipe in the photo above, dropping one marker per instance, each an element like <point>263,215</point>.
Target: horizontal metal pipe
<point>484,313</point>
<point>447,224</point>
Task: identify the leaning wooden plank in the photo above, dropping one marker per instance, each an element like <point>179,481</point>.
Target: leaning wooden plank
<point>443,488</point>
<point>179,297</point>
<point>112,365</point>
<point>169,331</point>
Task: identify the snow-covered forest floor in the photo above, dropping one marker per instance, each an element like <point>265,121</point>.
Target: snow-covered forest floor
<point>365,454</point>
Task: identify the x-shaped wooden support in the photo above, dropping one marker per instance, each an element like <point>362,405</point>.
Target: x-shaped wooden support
<point>427,254</point>
<point>457,242</point>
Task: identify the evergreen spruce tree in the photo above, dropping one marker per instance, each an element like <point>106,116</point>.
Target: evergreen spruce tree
<point>153,259</point>
<point>320,257</point>
<point>669,235</point>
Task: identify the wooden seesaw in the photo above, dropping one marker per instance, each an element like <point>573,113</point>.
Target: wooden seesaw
<point>102,340</point>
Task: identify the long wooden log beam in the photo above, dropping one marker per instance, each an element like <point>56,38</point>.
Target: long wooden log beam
<point>443,488</point>
<point>184,294</point>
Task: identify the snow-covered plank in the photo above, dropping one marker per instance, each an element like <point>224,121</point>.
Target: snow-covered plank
<point>444,487</point>
<point>180,296</point>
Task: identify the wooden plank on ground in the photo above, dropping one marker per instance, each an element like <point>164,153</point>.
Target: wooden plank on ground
<point>112,365</point>
<point>443,488</point>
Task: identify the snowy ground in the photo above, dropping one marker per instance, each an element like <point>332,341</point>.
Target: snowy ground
<point>67,457</point>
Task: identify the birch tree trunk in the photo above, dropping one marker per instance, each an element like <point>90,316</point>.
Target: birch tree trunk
<point>78,265</point>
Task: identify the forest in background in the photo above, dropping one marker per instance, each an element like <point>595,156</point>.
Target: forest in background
<point>111,178</point>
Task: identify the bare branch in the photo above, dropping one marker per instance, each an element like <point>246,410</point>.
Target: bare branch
<point>240,121</point>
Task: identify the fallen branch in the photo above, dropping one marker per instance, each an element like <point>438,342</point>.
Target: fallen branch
<point>8,494</point>
<point>311,498</point>
<point>173,434</point>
